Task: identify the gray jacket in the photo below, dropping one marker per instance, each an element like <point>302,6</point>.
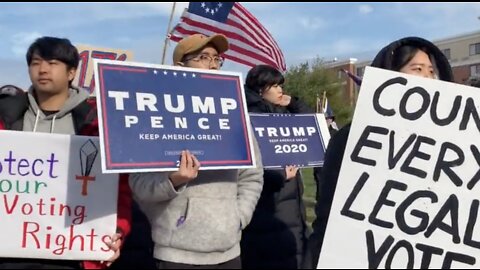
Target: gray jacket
<point>201,223</point>
<point>61,122</point>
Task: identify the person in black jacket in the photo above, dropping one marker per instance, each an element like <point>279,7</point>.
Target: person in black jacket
<point>277,235</point>
<point>411,55</point>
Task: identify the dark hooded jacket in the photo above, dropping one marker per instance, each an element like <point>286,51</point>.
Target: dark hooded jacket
<point>276,237</point>
<point>338,143</point>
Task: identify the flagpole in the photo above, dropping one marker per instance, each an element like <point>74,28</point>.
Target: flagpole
<point>167,37</point>
<point>323,100</point>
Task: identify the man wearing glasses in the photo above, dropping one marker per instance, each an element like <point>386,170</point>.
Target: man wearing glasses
<point>200,51</point>
<point>197,216</point>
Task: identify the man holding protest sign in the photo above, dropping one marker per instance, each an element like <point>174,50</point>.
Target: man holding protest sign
<point>197,217</point>
<point>411,55</point>
<point>53,105</point>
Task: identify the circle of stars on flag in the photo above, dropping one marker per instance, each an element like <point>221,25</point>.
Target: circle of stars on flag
<point>211,10</point>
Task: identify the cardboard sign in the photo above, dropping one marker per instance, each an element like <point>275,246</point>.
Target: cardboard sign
<point>55,203</point>
<point>408,190</point>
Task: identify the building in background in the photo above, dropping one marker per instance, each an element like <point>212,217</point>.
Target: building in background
<point>337,68</point>
<point>462,51</point>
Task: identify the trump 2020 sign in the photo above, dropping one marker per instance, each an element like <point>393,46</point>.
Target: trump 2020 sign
<point>149,113</point>
<point>291,139</point>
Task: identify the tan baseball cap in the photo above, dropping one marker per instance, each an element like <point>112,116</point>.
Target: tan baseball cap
<point>196,42</point>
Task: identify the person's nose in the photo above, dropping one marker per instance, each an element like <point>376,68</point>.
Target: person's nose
<point>44,66</point>
<point>214,65</point>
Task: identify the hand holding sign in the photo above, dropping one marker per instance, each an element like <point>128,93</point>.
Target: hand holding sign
<point>291,172</point>
<point>188,170</point>
<point>114,245</point>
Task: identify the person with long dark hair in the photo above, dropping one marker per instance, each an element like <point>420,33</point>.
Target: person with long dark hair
<point>277,235</point>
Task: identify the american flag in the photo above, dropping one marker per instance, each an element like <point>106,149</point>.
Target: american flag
<point>250,43</point>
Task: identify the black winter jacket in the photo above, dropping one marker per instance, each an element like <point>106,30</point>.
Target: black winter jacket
<point>276,237</point>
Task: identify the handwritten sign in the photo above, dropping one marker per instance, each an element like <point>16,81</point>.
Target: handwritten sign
<point>407,194</point>
<point>55,203</point>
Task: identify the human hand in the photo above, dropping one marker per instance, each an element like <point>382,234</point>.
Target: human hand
<point>285,101</point>
<point>187,171</point>
<point>114,245</point>
<point>290,172</point>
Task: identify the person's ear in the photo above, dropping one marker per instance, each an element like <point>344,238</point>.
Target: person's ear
<point>71,74</point>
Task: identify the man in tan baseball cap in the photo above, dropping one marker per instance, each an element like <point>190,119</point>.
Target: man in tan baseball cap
<point>197,217</point>
<point>200,51</point>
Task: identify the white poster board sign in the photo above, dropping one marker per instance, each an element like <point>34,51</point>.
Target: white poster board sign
<point>54,201</point>
<point>408,191</point>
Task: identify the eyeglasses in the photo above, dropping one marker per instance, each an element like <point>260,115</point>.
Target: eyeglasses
<point>207,59</point>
